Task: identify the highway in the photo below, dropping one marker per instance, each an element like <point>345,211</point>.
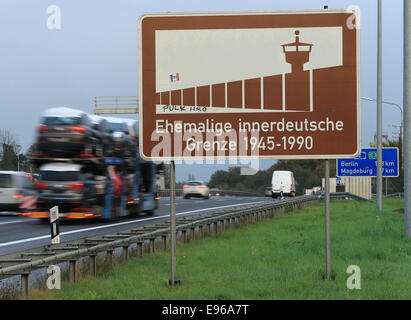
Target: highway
<point>20,233</point>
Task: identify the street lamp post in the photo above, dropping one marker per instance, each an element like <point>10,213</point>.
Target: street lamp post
<point>401,126</point>
<point>379,108</point>
<point>18,156</point>
<point>407,116</point>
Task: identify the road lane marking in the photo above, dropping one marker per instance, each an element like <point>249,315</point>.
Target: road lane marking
<point>121,223</point>
<point>14,221</point>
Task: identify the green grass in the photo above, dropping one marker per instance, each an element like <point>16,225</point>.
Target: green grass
<point>282,258</point>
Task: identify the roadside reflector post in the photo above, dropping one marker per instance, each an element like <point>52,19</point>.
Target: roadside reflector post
<point>327,221</point>
<point>54,225</point>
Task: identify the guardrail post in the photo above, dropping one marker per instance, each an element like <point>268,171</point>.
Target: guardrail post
<point>215,227</point>
<point>164,238</point>
<point>109,256</point>
<point>73,270</point>
<point>193,233</point>
<point>25,284</point>
<point>140,249</point>
<point>222,225</point>
<point>201,231</point>
<point>93,264</point>
<point>125,252</point>
<point>184,232</point>
<point>208,229</point>
<point>152,245</point>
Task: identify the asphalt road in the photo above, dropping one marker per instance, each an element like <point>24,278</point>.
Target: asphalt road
<point>20,233</point>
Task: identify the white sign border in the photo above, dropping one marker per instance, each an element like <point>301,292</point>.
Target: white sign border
<point>251,157</point>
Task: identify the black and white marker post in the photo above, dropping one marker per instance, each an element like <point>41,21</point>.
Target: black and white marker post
<point>54,224</point>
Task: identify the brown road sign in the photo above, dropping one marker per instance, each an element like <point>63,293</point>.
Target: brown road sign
<point>263,85</point>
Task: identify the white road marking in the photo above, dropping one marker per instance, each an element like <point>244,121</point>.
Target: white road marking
<point>121,223</point>
<point>13,221</point>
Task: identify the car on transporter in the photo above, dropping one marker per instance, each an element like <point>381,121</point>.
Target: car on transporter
<point>104,135</point>
<point>196,189</point>
<point>123,142</point>
<point>68,186</point>
<point>66,132</point>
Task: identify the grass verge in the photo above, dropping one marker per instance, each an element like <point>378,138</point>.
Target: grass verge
<point>282,258</point>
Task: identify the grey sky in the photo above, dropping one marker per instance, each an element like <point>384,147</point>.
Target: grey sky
<point>95,53</point>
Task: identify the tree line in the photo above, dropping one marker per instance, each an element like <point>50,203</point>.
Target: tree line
<point>11,156</point>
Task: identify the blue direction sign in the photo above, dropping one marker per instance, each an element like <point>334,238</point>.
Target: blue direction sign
<point>365,165</point>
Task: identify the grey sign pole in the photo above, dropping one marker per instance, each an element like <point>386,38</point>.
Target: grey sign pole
<point>173,235</point>
<point>379,109</point>
<point>327,221</point>
<point>407,117</point>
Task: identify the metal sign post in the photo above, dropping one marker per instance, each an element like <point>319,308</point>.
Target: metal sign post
<point>54,224</point>
<point>407,117</point>
<point>327,221</point>
<point>173,234</point>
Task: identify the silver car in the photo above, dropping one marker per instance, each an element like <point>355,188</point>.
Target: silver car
<point>196,189</point>
<point>14,187</point>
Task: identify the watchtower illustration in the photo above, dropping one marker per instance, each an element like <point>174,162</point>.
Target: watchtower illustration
<point>285,91</point>
<point>298,54</point>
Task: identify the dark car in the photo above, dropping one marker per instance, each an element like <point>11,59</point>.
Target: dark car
<point>105,137</point>
<point>133,126</point>
<point>66,132</point>
<point>123,143</point>
<point>66,185</point>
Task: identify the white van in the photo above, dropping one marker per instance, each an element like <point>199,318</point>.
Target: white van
<point>283,184</point>
<point>14,186</point>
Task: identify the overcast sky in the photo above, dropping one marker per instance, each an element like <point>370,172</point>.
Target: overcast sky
<point>95,54</point>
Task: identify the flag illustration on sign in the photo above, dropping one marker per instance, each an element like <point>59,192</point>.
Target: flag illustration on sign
<point>174,77</point>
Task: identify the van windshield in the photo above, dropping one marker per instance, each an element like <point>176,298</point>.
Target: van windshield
<point>59,175</point>
<point>5,181</point>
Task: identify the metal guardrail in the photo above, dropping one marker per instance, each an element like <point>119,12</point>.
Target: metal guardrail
<point>343,196</point>
<point>73,251</point>
<point>395,195</point>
